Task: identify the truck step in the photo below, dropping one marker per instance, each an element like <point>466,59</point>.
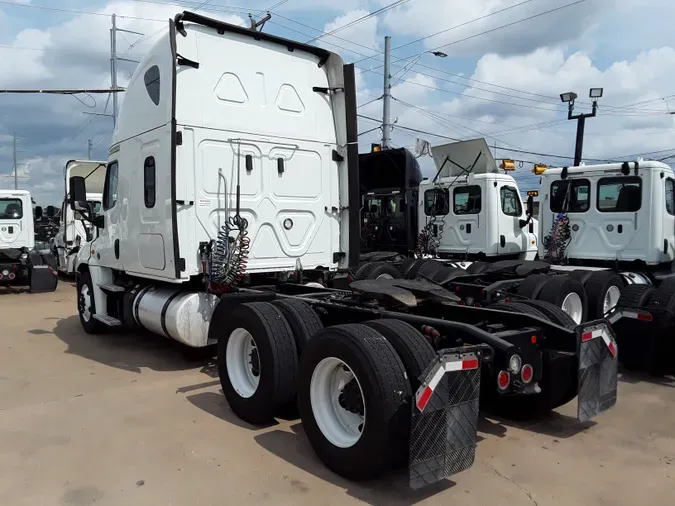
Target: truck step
<point>108,320</point>
<point>111,288</point>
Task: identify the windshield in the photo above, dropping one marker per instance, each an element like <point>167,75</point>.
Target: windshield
<point>384,205</point>
<point>94,205</point>
<point>11,209</point>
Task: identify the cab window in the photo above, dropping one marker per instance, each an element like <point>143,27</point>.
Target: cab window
<point>619,194</point>
<point>11,209</point>
<point>437,202</point>
<point>670,196</point>
<point>110,189</point>
<point>511,205</point>
<point>571,196</point>
<point>467,200</point>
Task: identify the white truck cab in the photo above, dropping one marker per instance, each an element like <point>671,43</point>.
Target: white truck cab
<point>20,263</point>
<point>471,211</point>
<point>17,227</point>
<point>229,160</point>
<point>619,214</point>
<point>74,229</point>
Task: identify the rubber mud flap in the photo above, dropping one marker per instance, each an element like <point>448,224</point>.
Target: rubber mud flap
<point>443,429</point>
<point>598,362</point>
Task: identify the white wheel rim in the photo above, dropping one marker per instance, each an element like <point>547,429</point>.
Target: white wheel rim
<point>385,276</point>
<point>327,392</point>
<point>243,362</point>
<point>85,303</point>
<point>611,299</point>
<point>573,306</point>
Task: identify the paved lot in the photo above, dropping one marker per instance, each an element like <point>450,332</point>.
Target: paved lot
<point>127,420</point>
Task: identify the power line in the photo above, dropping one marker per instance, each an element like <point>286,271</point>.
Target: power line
<point>377,12</point>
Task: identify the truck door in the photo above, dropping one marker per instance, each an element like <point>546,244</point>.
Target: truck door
<point>512,238</point>
<point>464,231</point>
<point>669,221</point>
<point>619,200</point>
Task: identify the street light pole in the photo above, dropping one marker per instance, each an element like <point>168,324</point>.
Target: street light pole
<point>570,97</point>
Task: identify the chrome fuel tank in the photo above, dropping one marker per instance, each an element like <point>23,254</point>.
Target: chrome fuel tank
<point>176,314</point>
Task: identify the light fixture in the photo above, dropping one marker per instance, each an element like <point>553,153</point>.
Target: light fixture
<point>570,96</point>
<point>596,92</point>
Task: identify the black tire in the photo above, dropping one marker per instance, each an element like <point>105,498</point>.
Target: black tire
<point>668,282</point>
<point>91,326</point>
<point>50,260</point>
<point>383,443</point>
<point>303,320</point>
<point>519,307</point>
<point>552,312</point>
<point>596,286</point>
<point>478,267</point>
<point>558,287</point>
<point>415,268</point>
<point>374,270</point>
<point>430,269</point>
<point>581,274</point>
<point>406,265</point>
<point>663,298</point>
<point>635,296</point>
<point>413,349</point>
<point>34,258</point>
<point>532,285</point>
<point>277,358</point>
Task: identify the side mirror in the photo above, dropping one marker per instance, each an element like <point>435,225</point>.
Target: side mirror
<point>77,193</point>
<point>99,221</point>
<point>51,211</point>
<point>530,206</point>
<point>38,212</point>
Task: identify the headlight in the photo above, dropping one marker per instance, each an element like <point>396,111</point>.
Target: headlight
<point>515,364</point>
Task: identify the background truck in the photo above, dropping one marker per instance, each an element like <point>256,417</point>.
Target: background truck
<point>224,191</point>
<point>20,262</point>
<point>73,229</point>
<point>617,222</point>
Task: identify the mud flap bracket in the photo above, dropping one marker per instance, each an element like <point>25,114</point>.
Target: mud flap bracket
<point>598,364</point>
<point>443,430</point>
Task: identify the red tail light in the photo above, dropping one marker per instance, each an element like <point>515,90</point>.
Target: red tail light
<point>503,380</point>
<point>527,373</point>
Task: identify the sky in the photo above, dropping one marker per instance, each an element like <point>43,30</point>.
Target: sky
<point>506,63</point>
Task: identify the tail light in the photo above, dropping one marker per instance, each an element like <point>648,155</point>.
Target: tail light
<point>527,373</point>
<point>503,380</point>
<point>12,275</point>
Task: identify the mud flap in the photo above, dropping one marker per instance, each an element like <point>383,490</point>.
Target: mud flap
<point>443,429</point>
<point>598,362</point>
<point>42,279</point>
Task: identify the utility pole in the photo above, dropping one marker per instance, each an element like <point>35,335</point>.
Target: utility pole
<point>113,66</point>
<point>386,97</point>
<point>89,148</point>
<point>16,167</point>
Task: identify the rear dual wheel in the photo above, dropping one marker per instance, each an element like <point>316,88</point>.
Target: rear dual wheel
<point>563,291</point>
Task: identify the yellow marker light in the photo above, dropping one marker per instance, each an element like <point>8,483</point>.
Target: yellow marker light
<point>539,169</point>
<point>374,148</point>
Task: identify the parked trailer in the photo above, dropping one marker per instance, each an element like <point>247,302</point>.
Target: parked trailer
<point>235,199</point>
<point>20,262</point>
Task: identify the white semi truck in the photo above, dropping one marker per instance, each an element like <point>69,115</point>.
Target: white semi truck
<point>74,230</point>
<point>232,176</point>
<point>20,262</point>
<point>617,221</point>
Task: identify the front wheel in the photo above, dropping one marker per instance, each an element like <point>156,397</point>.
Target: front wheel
<point>86,307</point>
